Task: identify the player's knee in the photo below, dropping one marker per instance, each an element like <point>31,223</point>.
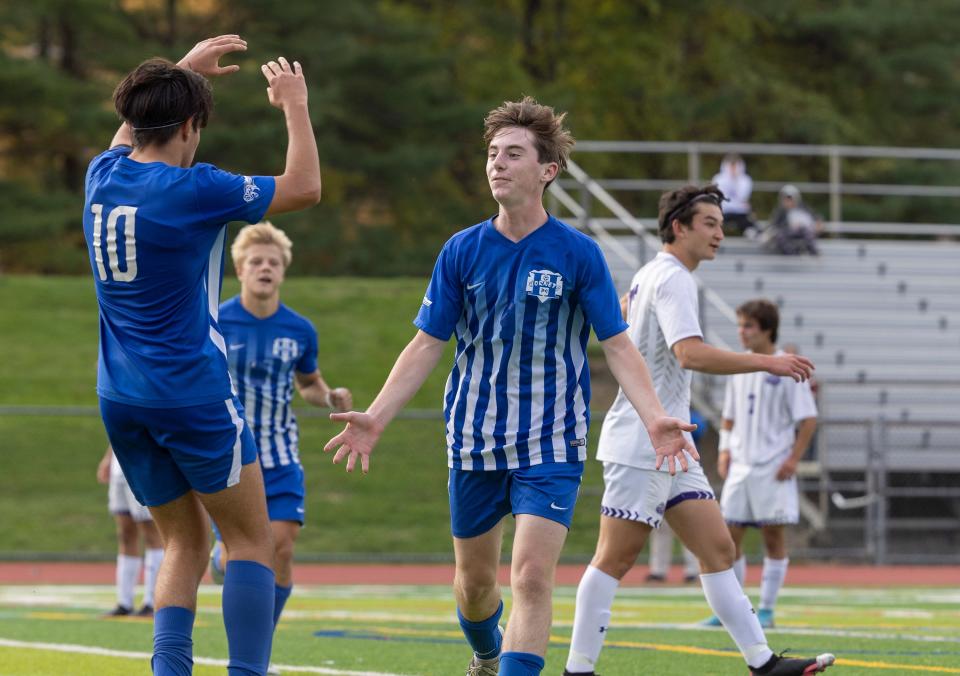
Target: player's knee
<point>719,557</point>
<point>282,551</point>
<point>533,582</point>
<point>474,588</point>
<point>615,561</point>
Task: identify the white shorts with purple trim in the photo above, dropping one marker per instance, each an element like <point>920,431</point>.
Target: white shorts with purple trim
<point>752,496</point>
<point>645,494</point>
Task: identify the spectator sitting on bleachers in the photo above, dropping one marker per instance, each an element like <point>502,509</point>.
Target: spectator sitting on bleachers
<point>793,226</point>
<point>736,185</point>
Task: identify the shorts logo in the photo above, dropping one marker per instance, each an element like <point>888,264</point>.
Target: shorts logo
<point>427,302</point>
<point>557,507</point>
<point>286,348</point>
<point>661,508</point>
<point>251,190</point>
<point>544,285</point>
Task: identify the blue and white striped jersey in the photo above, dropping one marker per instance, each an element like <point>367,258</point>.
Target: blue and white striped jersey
<point>155,237</point>
<point>263,355</point>
<point>519,390</point>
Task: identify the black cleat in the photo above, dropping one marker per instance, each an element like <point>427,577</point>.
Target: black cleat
<point>579,673</point>
<point>655,577</point>
<point>119,611</point>
<point>146,610</point>
<point>778,665</point>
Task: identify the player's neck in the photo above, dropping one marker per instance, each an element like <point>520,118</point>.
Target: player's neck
<point>516,222</point>
<point>768,348</point>
<point>261,308</point>
<point>168,153</point>
<point>689,261</point>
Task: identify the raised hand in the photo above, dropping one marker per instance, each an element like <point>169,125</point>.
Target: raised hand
<point>670,444</point>
<point>286,84</point>
<point>356,440</point>
<point>204,58</point>
<point>791,365</point>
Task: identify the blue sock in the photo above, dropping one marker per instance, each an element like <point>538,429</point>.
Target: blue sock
<point>248,589</point>
<point>172,642</point>
<point>520,664</point>
<point>280,596</point>
<point>484,637</point>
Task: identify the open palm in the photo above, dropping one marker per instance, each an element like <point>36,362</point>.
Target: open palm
<point>204,58</point>
<point>670,444</point>
<point>356,440</point>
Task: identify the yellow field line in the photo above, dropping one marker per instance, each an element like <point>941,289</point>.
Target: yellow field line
<point>683,649</point>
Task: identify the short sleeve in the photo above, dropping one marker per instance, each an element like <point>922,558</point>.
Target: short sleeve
<point>676,307</point>
<point>223,197</point>
<point>105,160</point>
<point>307,363</point>
<point>443,302</point>
<point>598,296</point>
<point>802,404</point>
<point>728,403</point>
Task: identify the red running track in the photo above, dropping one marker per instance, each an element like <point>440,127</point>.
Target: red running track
<point>423,574</point>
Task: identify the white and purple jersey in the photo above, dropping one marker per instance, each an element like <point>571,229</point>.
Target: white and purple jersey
<point>155,235</point>
<point>264,355</point>
<point>519,390</point>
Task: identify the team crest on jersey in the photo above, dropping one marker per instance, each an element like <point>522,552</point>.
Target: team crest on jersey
<point>544,285</point>
<point>251,190</point>
<point>287,349</point>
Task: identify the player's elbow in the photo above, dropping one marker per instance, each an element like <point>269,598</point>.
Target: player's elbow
<point>309,194</point>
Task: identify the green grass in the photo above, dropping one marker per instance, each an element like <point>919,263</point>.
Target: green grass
<point>400,508</point>
<point>412,630</point>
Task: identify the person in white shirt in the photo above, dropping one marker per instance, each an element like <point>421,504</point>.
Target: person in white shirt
<point>662,311</point>
<point>768,423</point>
<point>737,186</point>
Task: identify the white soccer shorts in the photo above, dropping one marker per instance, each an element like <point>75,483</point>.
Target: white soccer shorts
<point>645,494</point>
<point>752,496</point>
<point>120,499</point>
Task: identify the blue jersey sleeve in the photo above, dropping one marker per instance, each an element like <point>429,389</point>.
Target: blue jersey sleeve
<point>308,360</point>
<point>223,197</point>
<point>599,296</point>
<point>443,303</point>
<point>104,160</point>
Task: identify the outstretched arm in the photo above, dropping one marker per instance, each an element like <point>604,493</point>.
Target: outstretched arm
<point>696,355</point>
<point>629,368</point>
<point>363,429</point>
<point>204,59</point>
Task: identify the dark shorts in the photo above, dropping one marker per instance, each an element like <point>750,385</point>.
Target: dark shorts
<point>166,452</point>
<point>480,499</point>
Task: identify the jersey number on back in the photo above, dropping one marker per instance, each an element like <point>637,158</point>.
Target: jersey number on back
<point>128,214</point>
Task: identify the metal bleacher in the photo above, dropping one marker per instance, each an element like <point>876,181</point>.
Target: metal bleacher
<point>880,318</point>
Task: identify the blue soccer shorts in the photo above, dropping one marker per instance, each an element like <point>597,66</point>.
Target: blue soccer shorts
<point>480,499</point>
<point>166,452</point>
<point>285,489</point>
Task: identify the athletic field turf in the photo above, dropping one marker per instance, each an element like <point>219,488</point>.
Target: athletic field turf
<point>380,630</point>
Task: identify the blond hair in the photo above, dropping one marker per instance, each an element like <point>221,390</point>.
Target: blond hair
<point>261,233</point>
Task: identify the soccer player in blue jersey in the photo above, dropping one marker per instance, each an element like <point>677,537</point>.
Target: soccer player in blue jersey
<point>271,349</point>
<point>521,292</point>
<point>155,225</point>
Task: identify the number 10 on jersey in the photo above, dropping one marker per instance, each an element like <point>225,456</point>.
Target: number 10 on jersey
<point>129,216</point>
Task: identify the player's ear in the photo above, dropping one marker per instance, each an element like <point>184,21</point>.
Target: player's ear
<point>550,171</point>
<point>186,128</point>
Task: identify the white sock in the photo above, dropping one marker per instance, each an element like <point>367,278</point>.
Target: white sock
<point>740,570</point>
<point>591,619</point>
<point>691,566</point>
<point>661,550</point>
<point>151,566</point>
<point>774,573</point>
<point>128,572</point>
<point>726,598</point>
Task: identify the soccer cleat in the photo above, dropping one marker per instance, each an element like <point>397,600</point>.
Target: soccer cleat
<point>119,611</point>
<point>146,610</point>
<point>579,673</point>
<point>655,577</point>
<point>216,568</point>
<point>712,621</point>
<point>478,667</point>
<point>778,665</point>
<point>690,579</point>
<point>765,615</point>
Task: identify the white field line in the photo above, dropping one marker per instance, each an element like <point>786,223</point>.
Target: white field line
<point>798,631</point>
<point>209,661</point>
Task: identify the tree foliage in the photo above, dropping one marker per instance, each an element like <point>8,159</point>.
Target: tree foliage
<point>399,89</point>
